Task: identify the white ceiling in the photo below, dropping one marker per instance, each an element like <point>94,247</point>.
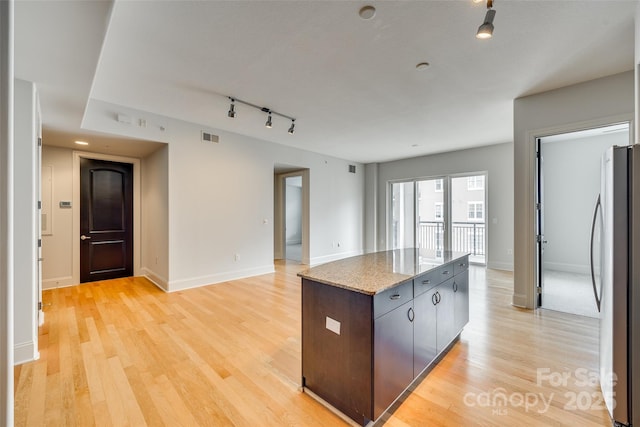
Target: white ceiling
<point>350,83</point>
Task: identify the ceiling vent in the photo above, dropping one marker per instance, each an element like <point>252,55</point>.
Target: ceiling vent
<point>209,137</point>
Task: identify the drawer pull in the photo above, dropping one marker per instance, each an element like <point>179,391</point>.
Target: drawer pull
<point>411,314</point>
<point>455,287</point>
<point>445,272</point>
<point>434,299</point>
<point>462,264</point>
<point>395,296</point>
<point>426,282</point>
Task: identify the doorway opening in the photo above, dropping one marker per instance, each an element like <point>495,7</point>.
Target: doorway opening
<point>568,184</point>
<point>439,214</point>
<point>293,218</point>
<point>291,215</point>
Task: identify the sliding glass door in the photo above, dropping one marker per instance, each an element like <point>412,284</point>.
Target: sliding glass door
<point>446,213</point>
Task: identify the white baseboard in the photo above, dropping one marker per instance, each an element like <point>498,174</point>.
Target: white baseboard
<point>196,282</point>
<point>519,300</point>
<point>506,266</point>
<point>58,282</point>
<point>333,257</point>
<point>567,268</point>
<point>25,352</point>
<point>155,278</point>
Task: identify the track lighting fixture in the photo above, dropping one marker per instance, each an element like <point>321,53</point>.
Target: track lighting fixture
<point>485,31</point>
<point>270,113</point>
<point>232,110</point>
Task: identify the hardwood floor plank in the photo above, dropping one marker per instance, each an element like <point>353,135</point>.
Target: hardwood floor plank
<point>122,352</point>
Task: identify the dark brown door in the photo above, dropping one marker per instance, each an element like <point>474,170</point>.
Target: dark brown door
<point>106,220</point>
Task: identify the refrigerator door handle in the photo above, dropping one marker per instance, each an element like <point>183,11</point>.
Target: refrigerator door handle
<point>593,229</point>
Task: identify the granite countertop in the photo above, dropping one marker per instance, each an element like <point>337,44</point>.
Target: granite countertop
<point>373,273</point>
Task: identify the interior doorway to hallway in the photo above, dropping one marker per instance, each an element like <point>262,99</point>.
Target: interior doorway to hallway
<point>291,214</point>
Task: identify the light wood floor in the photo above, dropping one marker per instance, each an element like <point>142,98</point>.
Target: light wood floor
<point>125,353</point>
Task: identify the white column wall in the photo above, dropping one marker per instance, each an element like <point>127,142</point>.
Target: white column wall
<point>25,224</point>
<point>6,212</point>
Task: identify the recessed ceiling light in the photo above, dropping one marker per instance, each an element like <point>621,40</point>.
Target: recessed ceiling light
<point>367,12</point>
<point>82,143</point>
<point>422,66</point>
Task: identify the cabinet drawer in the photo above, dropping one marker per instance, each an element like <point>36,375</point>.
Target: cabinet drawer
<point>394,297</point>
<point>460,265</point>
<point>432,278</point>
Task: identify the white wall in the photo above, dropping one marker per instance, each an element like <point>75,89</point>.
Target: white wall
<point>26,291</point>
<point>57,245</point>
<point>155,217</point>
<point>221,199</point>
<point>571,171</point>
<point>496,160</point>
<point>6,212</point>
<point>584,105</point>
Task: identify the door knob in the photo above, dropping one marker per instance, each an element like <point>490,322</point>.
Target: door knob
<point>83,237</point>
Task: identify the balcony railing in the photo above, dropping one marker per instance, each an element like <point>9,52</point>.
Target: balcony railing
<point>465,236</point>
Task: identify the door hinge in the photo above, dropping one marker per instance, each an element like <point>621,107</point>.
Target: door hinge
<point>39,305</point>
<point>539,238</point>
<point>39,142</point>
<point>539,290</point>
<point>39,204</point>
<point>39,243</point>
<point>538,206</point>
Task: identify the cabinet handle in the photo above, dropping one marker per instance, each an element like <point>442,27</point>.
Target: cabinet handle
<point>455,287</point>
<point>395,296</point>
<point>438,297</point>
<point>445,272</point>
<point>462,264</point>
<point>434,299</point>
<point>426,282</point>
<point>411,314</point>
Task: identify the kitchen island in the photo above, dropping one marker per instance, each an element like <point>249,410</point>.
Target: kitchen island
<point>372,324</point>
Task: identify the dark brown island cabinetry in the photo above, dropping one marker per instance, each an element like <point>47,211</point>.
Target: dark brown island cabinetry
<point>373,324</point>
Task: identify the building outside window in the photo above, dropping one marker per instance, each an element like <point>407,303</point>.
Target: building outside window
<point>475,182</point>
<point>476,211</point>
<point>438,184</point>
<point>438,211</point>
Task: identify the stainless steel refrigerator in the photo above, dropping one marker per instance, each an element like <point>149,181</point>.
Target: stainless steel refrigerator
<point>615,268</point>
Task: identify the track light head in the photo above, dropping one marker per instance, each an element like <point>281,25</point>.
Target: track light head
<point>232,110</point>
<point>268,124</point>
<point>485,31</point>
<point>291,128</point>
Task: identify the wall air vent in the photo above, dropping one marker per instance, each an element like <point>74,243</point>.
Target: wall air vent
<point>352,168</point>
<point>209,137</point>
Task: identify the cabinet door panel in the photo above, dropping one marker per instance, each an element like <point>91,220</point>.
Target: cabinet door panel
<point>424,331</point>
<point>393,356</point>
<point>461,288</point>
<point>446,320</point>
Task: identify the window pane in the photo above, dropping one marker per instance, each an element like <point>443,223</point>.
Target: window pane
<point>402,221</point>
<point>430,214</point>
